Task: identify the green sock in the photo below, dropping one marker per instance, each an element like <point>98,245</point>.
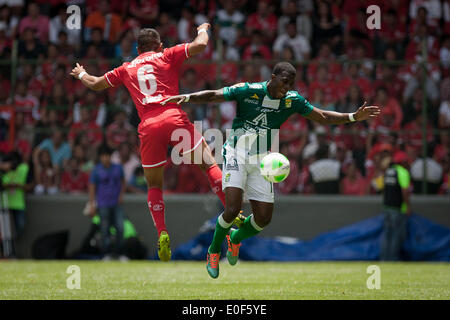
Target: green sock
<point>222,228</point>
<point>248,229</point>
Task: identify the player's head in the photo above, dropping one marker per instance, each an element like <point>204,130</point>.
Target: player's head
<point>148,40</point>
<point>283,79</point>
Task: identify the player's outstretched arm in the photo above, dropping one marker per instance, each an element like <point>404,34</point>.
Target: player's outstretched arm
<point>92,82</point>
<point>201,41</point>
<point>204,96</point>
<point>332,117</point>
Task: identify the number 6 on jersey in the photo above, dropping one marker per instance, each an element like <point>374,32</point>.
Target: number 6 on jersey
<point>146,79</point>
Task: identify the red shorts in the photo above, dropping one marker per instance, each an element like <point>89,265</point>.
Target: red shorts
<point>163,127</point>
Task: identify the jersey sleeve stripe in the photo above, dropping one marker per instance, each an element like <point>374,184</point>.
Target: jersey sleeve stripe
<point>106,77</point>
<point>153,165</point>
<point>186,50</point>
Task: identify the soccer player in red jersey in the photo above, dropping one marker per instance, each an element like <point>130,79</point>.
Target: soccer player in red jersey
<point>150,78</point>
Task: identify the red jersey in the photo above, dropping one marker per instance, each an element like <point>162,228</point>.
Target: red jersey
<point>151,77</point>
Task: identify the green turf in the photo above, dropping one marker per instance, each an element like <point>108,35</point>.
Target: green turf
<point>246,280</point>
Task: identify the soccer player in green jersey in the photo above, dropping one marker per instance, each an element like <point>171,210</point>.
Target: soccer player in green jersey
<point>261,108</point>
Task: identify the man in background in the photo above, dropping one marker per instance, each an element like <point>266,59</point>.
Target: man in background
<point>397,207</point>
<point>106,189</point>
<point>14,182</point>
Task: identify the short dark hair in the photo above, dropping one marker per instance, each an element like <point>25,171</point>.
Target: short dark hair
<point>322,152</point>
<point>148,40</point>
<point>104,149</point>
<point>284,66</point>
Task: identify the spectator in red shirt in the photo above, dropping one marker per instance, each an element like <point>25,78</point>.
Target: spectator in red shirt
<point>392,32</point>
<point>389,79</point>
<point>73,179</point>
<point>391,113</point>
<point>118,131</point>
<point>294,132</point>
<point>326,56</point>
<point>145,11</point>
<point>326,86</point>
<point>257,46</point>
<point>26,103</point>
<point>353,182</point>
<point>86,126</point>
<point>413,50</point>
<point>353,76</point>
<point>95,103</point>
<point>57,75</point>
<point>413,135</point>
<point>36,21</point>
<point>263,20</point>
<point>59,102</point>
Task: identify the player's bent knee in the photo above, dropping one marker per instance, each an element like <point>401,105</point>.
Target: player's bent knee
<point>263,221</point>
<point>231,212</point>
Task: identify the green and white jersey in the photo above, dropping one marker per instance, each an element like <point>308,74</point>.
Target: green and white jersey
<point>258,115</point>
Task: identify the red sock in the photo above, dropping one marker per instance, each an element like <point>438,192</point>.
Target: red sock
<point>156,205</point>
<point>215,181</point>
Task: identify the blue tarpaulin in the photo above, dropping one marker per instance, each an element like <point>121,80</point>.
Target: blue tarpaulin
<point>426,241</point>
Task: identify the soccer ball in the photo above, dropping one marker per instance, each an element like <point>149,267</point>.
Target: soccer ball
<point>275,167</point>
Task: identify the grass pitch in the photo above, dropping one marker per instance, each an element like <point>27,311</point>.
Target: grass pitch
<point>175,280</point>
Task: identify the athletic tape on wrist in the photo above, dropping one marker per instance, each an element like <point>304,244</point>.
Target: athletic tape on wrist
<point>201,30</point>
<point>188,96</point>
<point>82,74</point>
<point>351,116</point>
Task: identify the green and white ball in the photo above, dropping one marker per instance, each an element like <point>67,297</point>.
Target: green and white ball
<point>275,167</point>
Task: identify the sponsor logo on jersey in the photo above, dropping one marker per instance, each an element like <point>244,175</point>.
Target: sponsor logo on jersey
<point>233,165</point>
<point>288,103</point>
<point>255,86</point>
<point>251,101</point>
<point>145,59</point>
<point>255,96</point>
<point>291,94</point>
<point>227,177</point>
<point>271,103</point>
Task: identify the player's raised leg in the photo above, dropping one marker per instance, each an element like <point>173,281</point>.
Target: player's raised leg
<point>233,198</point>
<point>154,177</point>
<point>209,166</point>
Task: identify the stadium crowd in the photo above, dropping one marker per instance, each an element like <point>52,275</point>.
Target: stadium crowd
<point>59,124</point>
